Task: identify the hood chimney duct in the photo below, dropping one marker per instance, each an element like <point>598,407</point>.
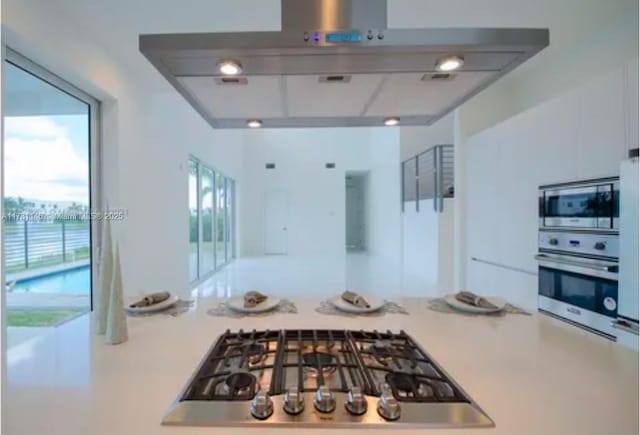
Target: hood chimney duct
<point>309,15</point>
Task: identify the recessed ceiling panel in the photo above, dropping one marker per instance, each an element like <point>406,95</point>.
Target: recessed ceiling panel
<point>327,96</point>
<point>260,97</point>
<point>407,94</point>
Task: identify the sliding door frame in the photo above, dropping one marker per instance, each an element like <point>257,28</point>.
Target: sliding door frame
<point>229,215</point>
<point>94,152</point>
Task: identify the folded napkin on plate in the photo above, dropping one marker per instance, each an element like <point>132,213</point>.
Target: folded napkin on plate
<point>253,298</point>
<point>151,299</point>
<point>475,300</point>
<point>355,299</point>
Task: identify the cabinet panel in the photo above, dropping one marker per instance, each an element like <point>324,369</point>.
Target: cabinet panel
<point>631,105</point>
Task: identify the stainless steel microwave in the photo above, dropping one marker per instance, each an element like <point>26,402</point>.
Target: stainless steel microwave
<point>590,204</point>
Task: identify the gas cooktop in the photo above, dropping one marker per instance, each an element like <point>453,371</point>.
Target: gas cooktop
<point>332,378</point>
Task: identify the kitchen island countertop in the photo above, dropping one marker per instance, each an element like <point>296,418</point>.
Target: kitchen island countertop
<point>532,375</point>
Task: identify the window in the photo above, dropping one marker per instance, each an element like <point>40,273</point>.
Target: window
<point>207,263</point>
<point>194,220</point>
<point>49,136</point>
<point>211,217</point>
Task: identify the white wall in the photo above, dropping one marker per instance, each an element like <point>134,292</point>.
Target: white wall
<point>316,195</point>
<point>316,226</point>
<point>147,137</point>
<point>427,249</point>
<point>384,230</point>
<point>579,135</point>
<point>587,38</point>
<point>414,140</point>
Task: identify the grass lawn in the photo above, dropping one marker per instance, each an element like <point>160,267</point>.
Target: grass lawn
<point>39,318</point>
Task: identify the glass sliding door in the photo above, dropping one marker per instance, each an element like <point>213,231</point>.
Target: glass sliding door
<point>211,202</point>
<point>229,218</point>
<point>221,220</point>
<point>194,220</point>
<point>49,135</point>
<point>207,263</point>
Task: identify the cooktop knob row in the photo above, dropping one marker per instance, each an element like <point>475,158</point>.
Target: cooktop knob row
<point>293,401</point>
<point>388,406</point>
<point>262,405</point>
<point>324,400</point>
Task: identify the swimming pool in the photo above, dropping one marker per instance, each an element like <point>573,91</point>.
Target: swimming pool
<point>76,280</point>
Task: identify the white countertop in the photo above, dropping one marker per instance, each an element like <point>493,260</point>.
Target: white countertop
<point>531,374</point>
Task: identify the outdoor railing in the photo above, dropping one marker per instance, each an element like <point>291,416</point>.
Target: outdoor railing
<point>30,245</point>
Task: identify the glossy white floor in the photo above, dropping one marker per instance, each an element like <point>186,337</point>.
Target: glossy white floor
<point>290,276</point>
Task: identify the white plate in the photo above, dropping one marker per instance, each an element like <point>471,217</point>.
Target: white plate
<point>454,303</point>
<point>237,304</point>
<point>374,304</point>
<point>155,307</point>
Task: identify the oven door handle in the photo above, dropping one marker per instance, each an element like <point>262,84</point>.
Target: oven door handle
<point>601,268</point>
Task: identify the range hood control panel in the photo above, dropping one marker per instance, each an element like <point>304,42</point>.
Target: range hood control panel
<point>341,36</point>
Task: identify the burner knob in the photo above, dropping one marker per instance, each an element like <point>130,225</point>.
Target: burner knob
<point>356,403</point>
<point>388,406</point>
<point>324,400</point>
<point>553,242</point>
<point>600,246</point>
<point>262,405</point>
<point>293,401</point>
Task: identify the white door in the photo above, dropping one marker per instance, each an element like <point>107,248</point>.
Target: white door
<point>275,222</point>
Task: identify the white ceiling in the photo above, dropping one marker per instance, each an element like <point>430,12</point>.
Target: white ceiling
<point>117,23</point>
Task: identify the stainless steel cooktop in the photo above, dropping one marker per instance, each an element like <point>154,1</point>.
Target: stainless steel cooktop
<point>332,378</point>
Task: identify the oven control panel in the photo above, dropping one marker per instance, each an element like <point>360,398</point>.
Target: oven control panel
<point>602,245</point>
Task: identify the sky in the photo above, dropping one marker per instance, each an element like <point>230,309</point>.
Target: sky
<point>46,158</point>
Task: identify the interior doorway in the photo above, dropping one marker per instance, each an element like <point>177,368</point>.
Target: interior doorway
<point>275,219</point>
<point>355,206</point>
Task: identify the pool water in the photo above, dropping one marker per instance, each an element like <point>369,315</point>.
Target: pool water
<point>67,281</point>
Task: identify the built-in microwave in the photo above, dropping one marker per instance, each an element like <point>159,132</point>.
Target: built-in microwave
<point>590,204</point>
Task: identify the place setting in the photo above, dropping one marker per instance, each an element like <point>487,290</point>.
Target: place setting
<point>158,303</point>
<point>471,304</point>
<point>352,304</point>
<point>253,303</point>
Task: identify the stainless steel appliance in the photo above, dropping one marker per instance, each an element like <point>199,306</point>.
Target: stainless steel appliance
<point>336,64</point>
<point>591,204</point>
<point>327,378</point>
<point>578,278</point>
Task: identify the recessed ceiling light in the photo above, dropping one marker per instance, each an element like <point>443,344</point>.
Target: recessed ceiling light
<point>254,123</point>
<point>229,67</point>
<point>449,63</point>
<point>391,121</point>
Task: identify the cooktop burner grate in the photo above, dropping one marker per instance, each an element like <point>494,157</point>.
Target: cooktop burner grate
<point>243,363</point>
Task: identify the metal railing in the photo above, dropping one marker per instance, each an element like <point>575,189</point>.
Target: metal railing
<point>29,244</point>
<point>428,175</point>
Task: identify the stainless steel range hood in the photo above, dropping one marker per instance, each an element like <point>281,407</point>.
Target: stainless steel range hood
<point>336,64</point>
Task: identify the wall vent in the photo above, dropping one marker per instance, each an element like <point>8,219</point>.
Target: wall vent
<point>335,78</point>
<point>438,76</point>
<point>330,165</point>
<point>270,166</point>
<point>231,81</point>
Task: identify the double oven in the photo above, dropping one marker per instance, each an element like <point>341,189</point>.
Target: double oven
<point>578,253</point>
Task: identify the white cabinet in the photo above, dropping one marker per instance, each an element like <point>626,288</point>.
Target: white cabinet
<point>579,135</point>
<point>631,104</point>
<point>628,288</point>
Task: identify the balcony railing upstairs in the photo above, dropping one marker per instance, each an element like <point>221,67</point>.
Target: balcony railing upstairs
<point>428,175</point>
